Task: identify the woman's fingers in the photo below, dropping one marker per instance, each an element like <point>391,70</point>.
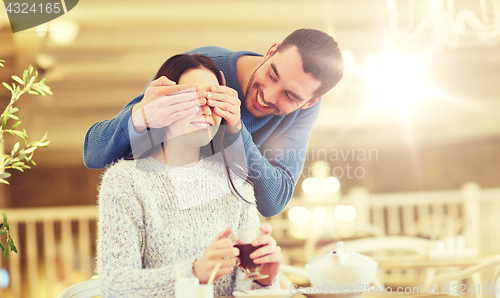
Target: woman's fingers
<point>223,234</point>
<point>268,254</point>
<point>266,228</point>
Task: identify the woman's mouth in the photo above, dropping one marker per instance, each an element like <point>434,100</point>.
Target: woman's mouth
<point>202,125</point>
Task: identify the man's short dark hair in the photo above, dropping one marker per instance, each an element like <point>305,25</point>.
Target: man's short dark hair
<point>320,54</point>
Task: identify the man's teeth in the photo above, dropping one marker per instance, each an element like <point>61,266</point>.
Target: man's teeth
<point>260,101</point>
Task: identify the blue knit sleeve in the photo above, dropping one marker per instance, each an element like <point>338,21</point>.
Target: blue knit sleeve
<point>275,167</point>
<point>108,141</point>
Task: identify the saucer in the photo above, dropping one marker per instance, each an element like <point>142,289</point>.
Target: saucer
<point>333,295</point>
<point>278,293</point>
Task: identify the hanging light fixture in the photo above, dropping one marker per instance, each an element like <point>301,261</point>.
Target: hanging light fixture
<point>447,23</point>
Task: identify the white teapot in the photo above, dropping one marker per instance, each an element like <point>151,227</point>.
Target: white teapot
<point>341,268</point>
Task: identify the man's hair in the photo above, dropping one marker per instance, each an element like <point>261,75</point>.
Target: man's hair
<point>320,54</point>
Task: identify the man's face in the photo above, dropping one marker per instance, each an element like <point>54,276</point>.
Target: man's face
<point>280,86</point>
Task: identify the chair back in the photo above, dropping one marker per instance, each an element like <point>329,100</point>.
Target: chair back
<point>490,268</point>
<point>84,289</point>
<point>56,247</point>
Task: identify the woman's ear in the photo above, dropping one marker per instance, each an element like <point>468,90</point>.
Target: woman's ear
<point>223,78</point>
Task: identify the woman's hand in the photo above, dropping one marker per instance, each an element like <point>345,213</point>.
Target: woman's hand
<point>165,102</point>
<point>221,251</point>
<point>269,255</point>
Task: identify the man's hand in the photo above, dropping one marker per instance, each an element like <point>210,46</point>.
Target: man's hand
<point>165,102</point>
<point>226,104</point>
<point>221,251</point>
<point>269,255</point>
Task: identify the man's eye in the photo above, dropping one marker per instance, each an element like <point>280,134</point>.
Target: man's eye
<point>272,78</point>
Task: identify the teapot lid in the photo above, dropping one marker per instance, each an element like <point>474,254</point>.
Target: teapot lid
<point>342,257</point>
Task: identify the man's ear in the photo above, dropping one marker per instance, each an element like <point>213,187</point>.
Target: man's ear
<point>311,103</point>
<point>271,50</point>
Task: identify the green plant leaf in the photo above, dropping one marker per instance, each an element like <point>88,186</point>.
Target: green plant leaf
<point>7,86</point>
<point>30,82</point>
<point>13,117</point>
<point>17,79</point>
<point>6,252</point>
<point>12,246</point>
<point>20,134</point>
<point>4,217</point>
<point>3,232</point>
<point>38,90</point>
<point>18,168</point>
<point>1,246</point>
<point>29,150</point>
<point>5,175</point>
<point>14,149</point>
<point>25,75</point>
<point>16,125</point>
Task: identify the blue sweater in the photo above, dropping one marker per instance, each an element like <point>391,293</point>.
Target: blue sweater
<point>275,146</point>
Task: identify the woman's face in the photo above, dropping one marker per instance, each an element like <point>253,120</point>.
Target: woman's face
<point>200,128</point>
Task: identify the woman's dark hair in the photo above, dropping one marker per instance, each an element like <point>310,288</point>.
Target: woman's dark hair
<point>177,65</point>
<point>173,69</point>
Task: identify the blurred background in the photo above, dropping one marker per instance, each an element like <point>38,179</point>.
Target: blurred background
<point>406,144</point>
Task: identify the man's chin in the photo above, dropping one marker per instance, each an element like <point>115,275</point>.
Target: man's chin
<point>255,111</point>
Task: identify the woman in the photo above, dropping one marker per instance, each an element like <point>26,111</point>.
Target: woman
<point>169,213</point>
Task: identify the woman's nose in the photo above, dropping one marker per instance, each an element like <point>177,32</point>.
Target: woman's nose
<point>205,110</point>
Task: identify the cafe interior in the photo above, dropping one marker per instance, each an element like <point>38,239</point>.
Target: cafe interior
<point>402,164</point>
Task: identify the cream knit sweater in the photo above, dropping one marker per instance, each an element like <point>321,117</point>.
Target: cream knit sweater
<point>156,220</point>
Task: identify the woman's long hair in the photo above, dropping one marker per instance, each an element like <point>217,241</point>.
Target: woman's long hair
<point>173,69</point>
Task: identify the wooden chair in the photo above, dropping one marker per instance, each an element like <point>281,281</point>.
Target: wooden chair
<point>445,280</point>
<point>56,246</point>
<point>84,289</point>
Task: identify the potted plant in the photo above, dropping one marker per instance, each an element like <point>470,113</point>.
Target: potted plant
<point>20,155</point>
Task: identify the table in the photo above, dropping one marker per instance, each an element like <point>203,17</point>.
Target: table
<point>420,261</point>
<point>385,295</point>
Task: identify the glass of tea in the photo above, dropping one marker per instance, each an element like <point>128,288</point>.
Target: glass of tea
<point>242,239</point>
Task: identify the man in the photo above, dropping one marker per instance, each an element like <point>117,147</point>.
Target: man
<point>280,94</point>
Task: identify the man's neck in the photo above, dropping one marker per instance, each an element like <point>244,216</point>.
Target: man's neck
<point>245,67</point>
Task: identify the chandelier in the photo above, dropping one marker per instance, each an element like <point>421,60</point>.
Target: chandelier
<point>446,23</point>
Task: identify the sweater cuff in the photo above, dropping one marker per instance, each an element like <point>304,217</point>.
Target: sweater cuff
<point>275,285</point>
<point>133,135</point>
<point>185,268</point>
